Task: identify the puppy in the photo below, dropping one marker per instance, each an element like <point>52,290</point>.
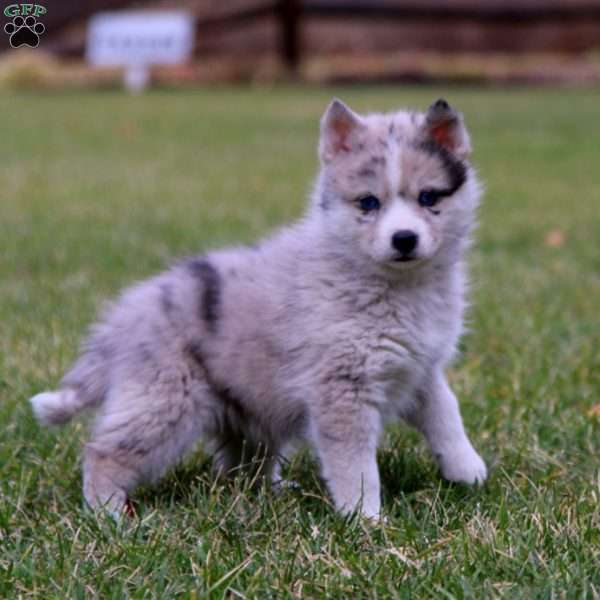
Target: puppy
<point>319,335</point>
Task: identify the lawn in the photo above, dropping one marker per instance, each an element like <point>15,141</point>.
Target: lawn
<point>99,190</point>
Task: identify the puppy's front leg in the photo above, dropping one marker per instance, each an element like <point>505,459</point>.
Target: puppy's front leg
<point>437,416</point>
<point>346,437</point>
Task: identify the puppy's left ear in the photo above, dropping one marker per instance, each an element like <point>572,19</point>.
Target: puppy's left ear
<point>446,128</point>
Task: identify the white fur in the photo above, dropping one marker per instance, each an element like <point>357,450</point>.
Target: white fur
<point>55,408</point>
<point>401,215</point>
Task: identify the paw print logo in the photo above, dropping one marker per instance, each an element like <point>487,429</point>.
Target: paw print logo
<point>24,31</point>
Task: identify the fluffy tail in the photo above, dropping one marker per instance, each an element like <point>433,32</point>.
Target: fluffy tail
<point>57,408</point>
<point>85,385</point>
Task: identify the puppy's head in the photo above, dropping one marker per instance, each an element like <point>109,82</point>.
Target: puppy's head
<point>397,187</point>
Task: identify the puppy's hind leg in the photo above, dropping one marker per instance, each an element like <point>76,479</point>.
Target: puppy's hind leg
<point>107,482</point>
<point>138,436</point>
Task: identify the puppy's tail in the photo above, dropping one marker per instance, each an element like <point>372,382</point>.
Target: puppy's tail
<point>57,408</point>
<point>84,386</point>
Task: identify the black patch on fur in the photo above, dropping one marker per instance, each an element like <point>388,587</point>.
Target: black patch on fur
<point>225,394</point>
<point>455,169</point>
<point>210,299</point>
<point>185,385</point>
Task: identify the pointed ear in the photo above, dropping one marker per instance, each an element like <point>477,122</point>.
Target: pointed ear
<point>339,127</point>
<point>445,126</point>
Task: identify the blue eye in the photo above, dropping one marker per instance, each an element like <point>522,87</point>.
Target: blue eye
<point>428,198</point>
<point>369,203</point>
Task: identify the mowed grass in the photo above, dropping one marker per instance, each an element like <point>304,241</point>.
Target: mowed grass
<point>100,190</point>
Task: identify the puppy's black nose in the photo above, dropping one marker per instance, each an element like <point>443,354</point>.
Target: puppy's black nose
<point>405,241</point>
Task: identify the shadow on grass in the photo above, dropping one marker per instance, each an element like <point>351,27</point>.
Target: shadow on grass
<point>403,473</point>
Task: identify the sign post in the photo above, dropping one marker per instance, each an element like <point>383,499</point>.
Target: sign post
<point>136,40</point>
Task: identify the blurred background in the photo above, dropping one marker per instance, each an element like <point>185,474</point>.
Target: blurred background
<point>324,41</point>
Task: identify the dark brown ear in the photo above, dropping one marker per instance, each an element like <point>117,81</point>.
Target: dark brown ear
<point>445,127</point>
<point>339,128</point>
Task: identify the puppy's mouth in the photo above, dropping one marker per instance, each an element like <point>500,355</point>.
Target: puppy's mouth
<point>404,258</point>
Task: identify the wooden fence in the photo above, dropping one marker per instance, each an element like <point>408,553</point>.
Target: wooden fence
<point>292,15</point>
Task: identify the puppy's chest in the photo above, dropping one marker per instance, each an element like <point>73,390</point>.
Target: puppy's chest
<point>404,338</point>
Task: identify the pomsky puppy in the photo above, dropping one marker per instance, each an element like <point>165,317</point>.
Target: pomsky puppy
<point>319,335</point>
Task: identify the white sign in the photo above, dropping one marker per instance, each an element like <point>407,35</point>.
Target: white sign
<point>138,39</point>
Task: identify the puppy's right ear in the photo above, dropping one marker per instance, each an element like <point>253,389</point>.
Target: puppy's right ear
<point>339,129</point>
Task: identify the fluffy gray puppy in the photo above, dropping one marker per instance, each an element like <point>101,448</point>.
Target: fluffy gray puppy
<point>320,335</point>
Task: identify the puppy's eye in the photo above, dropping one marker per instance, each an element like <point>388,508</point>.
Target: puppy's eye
<point>428,198</point>
<point>369,203</point>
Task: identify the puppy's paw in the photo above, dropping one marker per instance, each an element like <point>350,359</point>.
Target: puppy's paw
<point>375,519</point>
<point>463,465</point>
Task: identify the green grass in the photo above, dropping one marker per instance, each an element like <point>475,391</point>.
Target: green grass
<point>98,190</point>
